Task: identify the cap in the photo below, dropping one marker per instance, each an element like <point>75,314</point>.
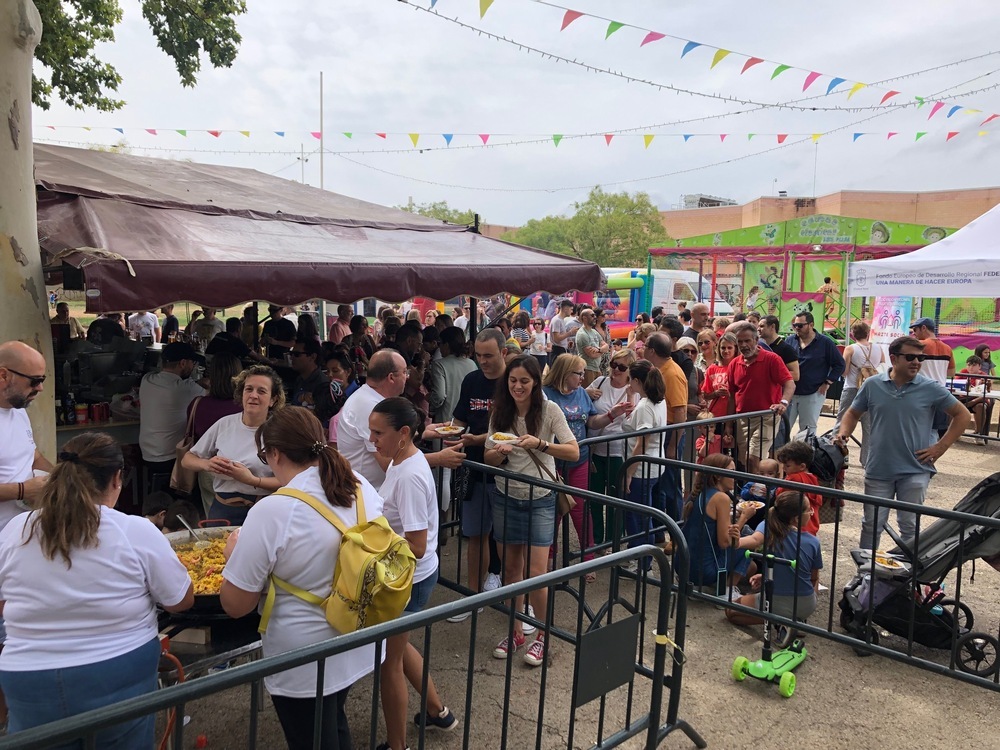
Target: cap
<point>686,341</point>
<point>179,350</point>
<point>929,322</point>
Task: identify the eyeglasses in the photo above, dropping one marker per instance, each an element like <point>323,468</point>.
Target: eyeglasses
<point>797,326</point>
<point>262,455</point>
<point>578,373</point>
<point>911,357</point>
<point>620,368</point>
<point>405,373</point>
<point>33,380</point>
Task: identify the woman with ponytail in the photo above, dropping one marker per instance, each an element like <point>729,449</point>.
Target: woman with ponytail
<point>284,536</point>
<point>411,508</point>
<point>80,583</point>
<point>794,589</point>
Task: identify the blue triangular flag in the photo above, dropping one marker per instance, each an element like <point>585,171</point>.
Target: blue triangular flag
<point>120,130</point>
<point>953,110</point>
<point>834,83</point>
<point>687,136</point>
<point>856,136</point>
<point>688,47</point>
<point>280,133</point>
<point>447,136</point>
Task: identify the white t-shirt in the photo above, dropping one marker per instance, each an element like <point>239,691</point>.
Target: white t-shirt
<point>411,505</point>
<point>353,434</point>
<point>609,397</point>
<point>143,324</point>
<point>572,325</point>
<point>232,439</point>
<point>284,536</point>
<point>558,325</point>
<point>646,416</point>
<point>101,607</point>
<point>17,456</point>
<point>538,345</point>
<point>163,400</point>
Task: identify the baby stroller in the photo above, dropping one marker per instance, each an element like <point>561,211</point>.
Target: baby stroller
<point>902,591</point>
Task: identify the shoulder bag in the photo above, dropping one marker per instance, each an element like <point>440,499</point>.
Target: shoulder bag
<point>565,502</point>
<point>182,480</point>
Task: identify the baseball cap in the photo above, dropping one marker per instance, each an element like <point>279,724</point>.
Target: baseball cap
<point>179,350</point>
<point>929,322</point>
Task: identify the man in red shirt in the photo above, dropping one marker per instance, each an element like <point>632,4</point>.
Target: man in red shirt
<point>758,381</point>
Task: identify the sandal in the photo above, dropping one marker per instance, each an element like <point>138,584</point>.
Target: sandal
<point>590,577</point>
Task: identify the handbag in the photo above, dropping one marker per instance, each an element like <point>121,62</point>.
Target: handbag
<point>183,480</point>
<point>565,502</point>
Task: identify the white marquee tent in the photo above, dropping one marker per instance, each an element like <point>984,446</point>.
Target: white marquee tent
<point>964,264</point>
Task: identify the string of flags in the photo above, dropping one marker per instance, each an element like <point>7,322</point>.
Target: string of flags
<point>429,140</point>
<point>718,54</point>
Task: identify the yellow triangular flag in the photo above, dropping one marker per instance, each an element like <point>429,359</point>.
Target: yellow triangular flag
<point>484,5</point>
<point>414,137</point>
<point>983,132</point>
<point>647,139</point>
<point>816,137</point>
<point>245,132</point>
<point>856,88</point>
<point>720,55</point>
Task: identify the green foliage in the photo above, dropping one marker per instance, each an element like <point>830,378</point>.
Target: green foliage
<point>610,229</point>
<point>122,146</point>
<point>440,210</point>
<point>71,29</point>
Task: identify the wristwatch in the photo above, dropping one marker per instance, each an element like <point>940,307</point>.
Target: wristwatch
<point>784,402</point>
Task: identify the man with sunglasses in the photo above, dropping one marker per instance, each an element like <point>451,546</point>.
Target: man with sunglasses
<point>901,452</point>
<point>820,366</point>
<point>22,374</point>
<point>311,388</point>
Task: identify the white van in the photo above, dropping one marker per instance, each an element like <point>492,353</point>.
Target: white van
<point>671,287</point>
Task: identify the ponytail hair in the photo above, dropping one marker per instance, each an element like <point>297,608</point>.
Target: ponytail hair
<point>68,516</point>
<point>296,433</point>
<point>704,479</point>
<point>399,413</point>
<point>788,508</point>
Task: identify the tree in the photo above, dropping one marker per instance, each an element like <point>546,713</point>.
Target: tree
<point>71,71</point>
<point>441,210</point>
<point>610,229</point>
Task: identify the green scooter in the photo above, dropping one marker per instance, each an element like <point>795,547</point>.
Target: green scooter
<point>777,666</point>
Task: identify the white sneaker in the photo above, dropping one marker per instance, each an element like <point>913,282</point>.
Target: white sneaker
<point>493,582</point>
<point>463,616</point>
<point>527,628</point>
<point>632,567</point>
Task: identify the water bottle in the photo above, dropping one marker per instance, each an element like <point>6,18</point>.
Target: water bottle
<point>69,407</point>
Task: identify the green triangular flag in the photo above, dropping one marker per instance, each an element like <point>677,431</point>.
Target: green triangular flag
<point>183,132</point>
<point>556,139</point>
<point>349,135</point>
<point>919,136</point>
<point>612,28</point>
<point>779,70</point>
<point>750,136</point>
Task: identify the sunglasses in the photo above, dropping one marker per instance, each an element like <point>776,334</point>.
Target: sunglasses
<point>262,455</point>
<point>620,368</point>
<point>690,350</point>
<point>33,380</point>
<point>796,326</point>
<point>911,357</point>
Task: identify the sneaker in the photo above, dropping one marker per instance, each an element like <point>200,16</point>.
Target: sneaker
<point>535,655</point>
<point>632,567</point>
<point>500,652</point>
<point>445,720</point>
<point>527,628</point>
<point>463,616</point>
<point>493,582</point>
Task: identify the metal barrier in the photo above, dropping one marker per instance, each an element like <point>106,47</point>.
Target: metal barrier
<point>982,412</point>
<point>608,655</point>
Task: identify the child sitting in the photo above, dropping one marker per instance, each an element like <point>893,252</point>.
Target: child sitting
<point>976,402</point>
<point>760,492</point>
<point>795,458</point>
<point>154,507</point>
<point>794,591</point>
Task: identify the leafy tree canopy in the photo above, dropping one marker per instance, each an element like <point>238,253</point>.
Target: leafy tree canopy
<point>610,229</point>
<point>71,30</point>
<point>442,211</point>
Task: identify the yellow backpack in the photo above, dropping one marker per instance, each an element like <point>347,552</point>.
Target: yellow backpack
<point>372,578</point>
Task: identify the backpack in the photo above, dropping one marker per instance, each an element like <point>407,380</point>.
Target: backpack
<point>828,457</point>
<point>372,578</point>
<point>867,370</point>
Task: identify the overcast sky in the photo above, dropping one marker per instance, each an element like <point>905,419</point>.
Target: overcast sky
<point>390,68</point>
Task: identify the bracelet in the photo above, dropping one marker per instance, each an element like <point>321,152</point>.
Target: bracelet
<point>545,447</point>
<point>20,490</point>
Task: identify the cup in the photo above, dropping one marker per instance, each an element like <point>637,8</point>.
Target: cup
<point>82,415</point>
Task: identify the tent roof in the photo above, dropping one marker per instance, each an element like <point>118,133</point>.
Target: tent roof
<point>147,232</point>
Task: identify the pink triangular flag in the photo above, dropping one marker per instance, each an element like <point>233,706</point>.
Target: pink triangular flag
<point>51,127</point>
<point>934,109</point>
<point>951,135</point>
<point>571,15</point>
<point>316,134</point>
<point>891,134</point>
<point>888,96</point>
<point>381,135</point>
<point>722,137</point>
<point>750,63</point>
<point>782,137</point>
<point>151,131</point>
<point>810,80</point>
<point>484,137</point>
<point>652,36</point>
<point>988,119</point>
<point>608,137</point>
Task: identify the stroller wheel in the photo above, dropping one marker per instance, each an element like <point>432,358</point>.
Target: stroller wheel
<point>961,612</point>
<point>977,654</point>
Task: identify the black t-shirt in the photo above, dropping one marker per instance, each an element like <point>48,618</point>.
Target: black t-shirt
<point>227,343</point>
<point>691,333</point>
<point>170,326</point>
<point>473,408</point>
<point>684,362</point>
<point>783,350</point>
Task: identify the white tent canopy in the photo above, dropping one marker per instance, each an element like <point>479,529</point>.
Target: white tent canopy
<point>964,264</point>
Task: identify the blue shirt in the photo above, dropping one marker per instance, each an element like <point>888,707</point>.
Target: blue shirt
<point>902,422</point>
<point>809,558</point>
<point>578,408</point>
<point>818,362</point>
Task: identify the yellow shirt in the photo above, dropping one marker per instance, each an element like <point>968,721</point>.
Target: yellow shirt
<point>677,385</point>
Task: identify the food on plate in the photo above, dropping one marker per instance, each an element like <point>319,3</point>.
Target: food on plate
<point>449,429</point>
<point>887,562</point>
<point>751,505</point>
<point>204,566</point>
<point>503,437</point>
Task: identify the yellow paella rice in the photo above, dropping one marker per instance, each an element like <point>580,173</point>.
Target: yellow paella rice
<point>204,565</point>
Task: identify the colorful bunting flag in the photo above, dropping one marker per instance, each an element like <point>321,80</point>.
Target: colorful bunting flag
<point>688,47</point>
<point>349,135</point>
<point>245,132</point>
<point>647,139</point>
<point>720,55</point>
<point>953,110</point>
<point>571,15</point>
<point>414,137</point>
<point>687,137</point>
<point>833,84</point>
<point>779,70</point>
<point>612,28</point>
<point>120,130</point>
<point>782,137</point>
<point>750,136</point>
<point>816,137</point>
<point>856,136</point>
<point>652,36</point>
<point>722,137</point>
<point>88,129</point>
<point>888,96</point>
<point>891,134</point>
<point>951,135</point>
<point>934,110</point>
<point>215,133</point>
<point>921,101</point>
<point>484,5</point>
<point>484,137</point>
<point>991,118</point>
<point>280,133</point>
<point>556,138</point>
<point>856,88</point>
<point>316,134</point>
<point>151,131</point>
<point>919,136</point>
<point>608,137</point>
<point>381,135</point>
<point>983,132</point>
<point>810,79</point>
<point>750,63</point>
<point>51,127</point>
<point>181,132</point>
<point>447,137</point>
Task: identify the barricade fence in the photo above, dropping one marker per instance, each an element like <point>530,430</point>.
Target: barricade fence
<point>979,393</point>
<point>623,654</point>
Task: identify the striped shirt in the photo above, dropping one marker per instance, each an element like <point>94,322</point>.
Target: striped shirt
<point>939,362</point>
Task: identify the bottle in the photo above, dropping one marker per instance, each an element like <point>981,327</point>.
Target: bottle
<point>69,407</point>
<point>60,416</point>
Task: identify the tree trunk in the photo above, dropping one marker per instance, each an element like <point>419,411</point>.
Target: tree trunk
<point>22,288</point>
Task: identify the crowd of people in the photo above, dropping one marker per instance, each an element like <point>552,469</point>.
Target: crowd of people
<point>351,420</point>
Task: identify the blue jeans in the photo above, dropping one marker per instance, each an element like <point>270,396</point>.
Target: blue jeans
<point>46,695</point>
<point>640,492</point>
<point>421,592</point>
<point>909,488</point>
<point>806,409</point>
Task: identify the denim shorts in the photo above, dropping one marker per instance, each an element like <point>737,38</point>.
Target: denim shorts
<point>421,592</point>
<point>477,510</point>
<point>524,521</point>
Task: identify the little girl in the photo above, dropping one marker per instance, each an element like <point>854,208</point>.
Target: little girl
<point>794,590</point>
<point>709,441</point>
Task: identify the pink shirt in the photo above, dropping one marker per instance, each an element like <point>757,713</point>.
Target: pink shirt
<point>339,330</point>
